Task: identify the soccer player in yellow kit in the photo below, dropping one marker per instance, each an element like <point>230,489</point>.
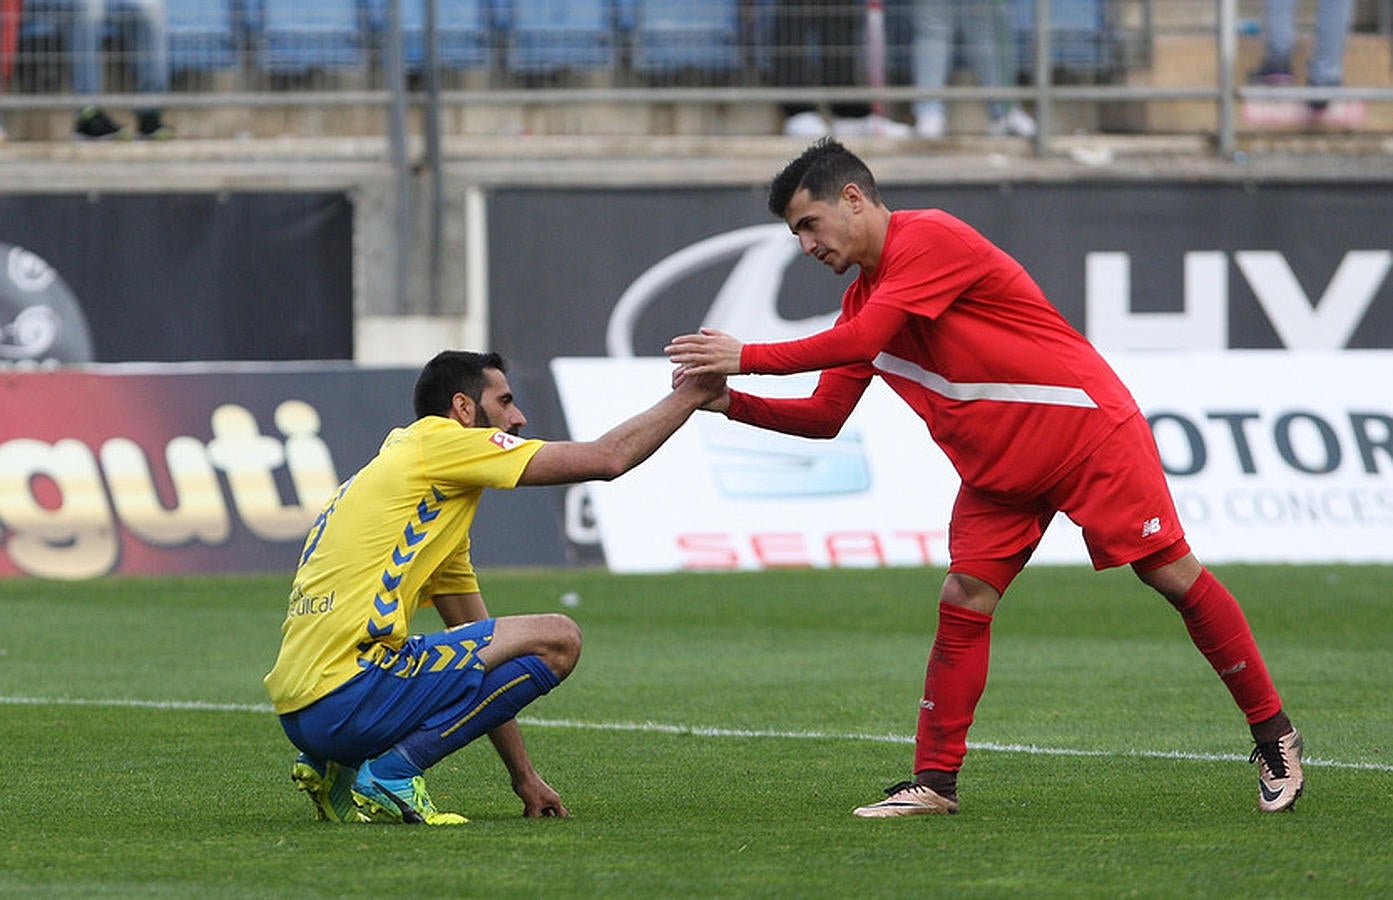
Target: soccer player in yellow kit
<point>369,705</point>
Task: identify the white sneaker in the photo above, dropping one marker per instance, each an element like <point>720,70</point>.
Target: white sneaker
<point>933,124</point>
<point>806,125</point>
<point>1016,122</point>
<point>870,126</point>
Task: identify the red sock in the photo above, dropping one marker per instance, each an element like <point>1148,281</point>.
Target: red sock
<point>1218,628</point>
<point>953,683</point>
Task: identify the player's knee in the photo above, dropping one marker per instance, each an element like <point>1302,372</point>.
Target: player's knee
<point>1172,580</point>
<point>562,644</point>
<point>970,592</point>
<point>953,592</point>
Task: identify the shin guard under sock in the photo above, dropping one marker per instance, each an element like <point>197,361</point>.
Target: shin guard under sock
<point>506,689</point>
<point>1220,631</point>
<point>954,680</point>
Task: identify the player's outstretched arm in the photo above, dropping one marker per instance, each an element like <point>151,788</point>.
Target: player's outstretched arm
<point>720,403</point>
<point>855,340</point>
<point>626,444</point>
<point>707,352</point>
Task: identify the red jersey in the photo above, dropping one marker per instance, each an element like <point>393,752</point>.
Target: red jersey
<point>957,328</point>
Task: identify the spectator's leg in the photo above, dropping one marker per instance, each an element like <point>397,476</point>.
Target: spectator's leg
<point>1279,35</point>
<point>983,28</point>
<point>842,37</point>
<point>83,35</point>
<point>151,47</point>
<point>1327,65</point>
<point>933,55</point>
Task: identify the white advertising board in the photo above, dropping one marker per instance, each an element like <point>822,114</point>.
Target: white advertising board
<point>1273,456</point>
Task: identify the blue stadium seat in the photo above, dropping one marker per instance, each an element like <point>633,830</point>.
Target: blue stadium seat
<point>300,35</point>
<point>201,34</point>
<point>40,21</point>
<point>550,35</point>
<point>1080,39</point>
<point>669,35</point>
<point>461,33</point>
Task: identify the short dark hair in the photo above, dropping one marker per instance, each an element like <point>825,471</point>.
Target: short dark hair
<point>453,372</point>
<point>824,169</point>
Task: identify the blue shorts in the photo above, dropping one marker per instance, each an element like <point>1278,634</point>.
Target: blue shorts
<point>433,679</point>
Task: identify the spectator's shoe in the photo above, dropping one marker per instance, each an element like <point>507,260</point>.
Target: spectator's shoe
<point>1271,74</point>
<point>806,125</point>
<point>870,126</point>
<point>329,785</point>
<point>1279,772</point>
<point>1318,107</point>
<point>94,125</point>
<point>931,124</point>
<point>908,799</point>
<point>1015,122</point>
<point>402,801</point>
<point>150,126</point>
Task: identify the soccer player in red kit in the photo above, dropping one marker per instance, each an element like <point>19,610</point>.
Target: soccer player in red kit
<point>1031,416</point>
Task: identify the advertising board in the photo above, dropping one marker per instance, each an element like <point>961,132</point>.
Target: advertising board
<point>1271,456</point>
<point>167,469</point>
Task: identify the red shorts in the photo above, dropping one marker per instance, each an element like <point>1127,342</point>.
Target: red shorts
<point>1118,496</point>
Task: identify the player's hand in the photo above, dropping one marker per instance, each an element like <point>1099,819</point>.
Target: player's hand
<point>716,395</point>
<point>539,801</point>
<point>707,352</point>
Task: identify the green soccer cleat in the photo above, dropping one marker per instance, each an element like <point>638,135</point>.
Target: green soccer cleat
<point>330,786</point>
<point>398,802</point>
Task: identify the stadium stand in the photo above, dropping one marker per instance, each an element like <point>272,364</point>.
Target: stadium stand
<point>545,36</point>
<point>296,36</point>
<point>675,35</point>
<point>1080,36</point>
<point>463,35</point>
<point>311,49</point>
<point>202,34</point>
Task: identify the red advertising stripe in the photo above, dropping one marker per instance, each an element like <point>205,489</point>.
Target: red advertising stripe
<point>179,469</point>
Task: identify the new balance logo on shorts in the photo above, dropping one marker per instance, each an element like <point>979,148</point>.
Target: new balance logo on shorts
<point>1151,526</point>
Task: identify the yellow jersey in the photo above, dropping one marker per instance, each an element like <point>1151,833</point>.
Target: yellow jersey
<point>392,537</point>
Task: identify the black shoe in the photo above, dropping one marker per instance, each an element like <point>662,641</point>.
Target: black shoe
<point>151,127</point>
<point>1272,74</point>
<point>94,125</point>
<point>1321,105</point>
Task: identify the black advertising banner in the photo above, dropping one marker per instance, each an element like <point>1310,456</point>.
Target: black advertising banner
<point>1133,266</point>
<point>176,277</point>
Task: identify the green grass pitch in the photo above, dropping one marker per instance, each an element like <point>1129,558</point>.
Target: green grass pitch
<point>712,742</point>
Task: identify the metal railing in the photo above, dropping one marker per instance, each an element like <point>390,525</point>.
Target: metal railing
<point>399,54</point>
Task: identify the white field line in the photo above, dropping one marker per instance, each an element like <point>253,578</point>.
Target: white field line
<point>707,731</point>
